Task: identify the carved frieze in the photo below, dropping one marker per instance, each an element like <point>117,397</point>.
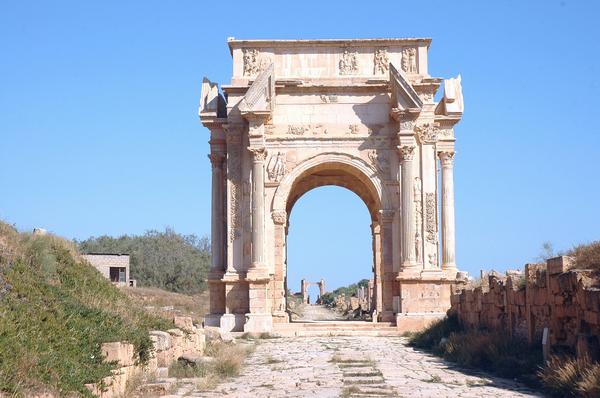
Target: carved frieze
<point>348,62</point>
<point>254,63</point>
<point>327,99</point>
<point>427,133</point>
<point>409,60</point>
<point>276,168</point>
<point>381,62</point>
<point>406,125</point>
<point>430,217</point>
<point>297,130</point>
<point>353,128</point>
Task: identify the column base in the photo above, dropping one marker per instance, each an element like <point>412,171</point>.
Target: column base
<point>232,322</point>
<point>413,322</point>
<point>258,323</point>
<point>258,275</point>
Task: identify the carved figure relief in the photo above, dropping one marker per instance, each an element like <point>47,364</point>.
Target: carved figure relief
<point>427,133</point>
<point>409,60</point>
<point>430,222</point>
<point>381,163</point>
<point>406,125</point>
<point>381,62</point>
<point>353,128</point>
<point>276,167</point>
<point>329,98</point>
<point>253,62</point>
<point>348,63</point>
<point>433,260</point>
<point>297,130</point>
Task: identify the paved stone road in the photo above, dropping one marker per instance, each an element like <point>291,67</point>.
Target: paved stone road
<point>313,312</point>
<point>353,367</point>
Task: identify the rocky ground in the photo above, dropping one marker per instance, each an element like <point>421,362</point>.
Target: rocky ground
<point>351,367</point>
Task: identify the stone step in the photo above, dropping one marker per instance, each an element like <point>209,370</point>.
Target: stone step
<point>336,332</point>
<point>335,324</point>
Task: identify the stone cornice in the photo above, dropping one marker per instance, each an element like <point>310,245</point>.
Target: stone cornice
<point>233,43</point>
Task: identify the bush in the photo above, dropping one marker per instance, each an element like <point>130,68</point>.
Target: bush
<point>495,352</point>
<point>567,377</point>
<point>587,256</point>
<point>167,260</point>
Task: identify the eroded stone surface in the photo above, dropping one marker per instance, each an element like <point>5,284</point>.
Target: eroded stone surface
<point>353,367</point>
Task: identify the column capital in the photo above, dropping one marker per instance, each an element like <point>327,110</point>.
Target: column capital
<point>259,154</point>
<point>406,152</point>
<point>446,158</point>
<point>216,159</point>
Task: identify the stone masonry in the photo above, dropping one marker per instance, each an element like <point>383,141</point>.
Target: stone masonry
<point>359,114</point>
<point>565,302</point>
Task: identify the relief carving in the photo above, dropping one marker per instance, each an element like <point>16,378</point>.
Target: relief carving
<point>419,218</point>
<point>329,98</point>
<point>297,130</point>
<point>353,128</point>
<point>381,163</point>
<point>433,260</point>
<point>409,60</point>
<point>427,133</point>
<point>253,62</point>
<point>430,222</point>
<point>348,63</point>
<point>381,62</point>
<point>234,176</point>
<point>279,217</point>
<point>276,167</point>
<point>406,125</point>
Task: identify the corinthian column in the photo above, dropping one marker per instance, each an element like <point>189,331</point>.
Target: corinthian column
<point>448,239</point>
<point>407,153</point>
<point>216,159</point>
<point>258,207</point>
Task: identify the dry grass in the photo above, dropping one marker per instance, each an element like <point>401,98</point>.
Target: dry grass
<point>587,256</point>
<point>166,304</point>
<point>571,377</point>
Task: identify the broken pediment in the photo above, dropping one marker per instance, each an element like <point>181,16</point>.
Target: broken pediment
<point>260,97</point>
<point>452,103</point>
<point>404,96</point>
<point>212,103</point>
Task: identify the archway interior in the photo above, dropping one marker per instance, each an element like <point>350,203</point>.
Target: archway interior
<point>329,235</point>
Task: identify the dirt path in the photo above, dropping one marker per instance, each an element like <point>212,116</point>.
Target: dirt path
<point>313,312</point>
<point>353,367</point>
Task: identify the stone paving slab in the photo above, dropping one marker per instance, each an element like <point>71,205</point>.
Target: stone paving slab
<point>353,367</point>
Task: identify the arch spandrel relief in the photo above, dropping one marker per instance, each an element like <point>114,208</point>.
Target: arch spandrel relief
<point>358,114</point>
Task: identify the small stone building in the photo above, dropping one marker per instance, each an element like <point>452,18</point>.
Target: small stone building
<point>114,266</point>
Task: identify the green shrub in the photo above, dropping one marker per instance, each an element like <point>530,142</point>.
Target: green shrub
<point>430,337</point>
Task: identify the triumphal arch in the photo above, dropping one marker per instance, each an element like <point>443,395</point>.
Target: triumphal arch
<point>359,114</point>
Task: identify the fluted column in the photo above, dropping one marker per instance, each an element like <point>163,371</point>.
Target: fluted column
<point>409,258</point>
<point>217,223</point>
<point>448,224</point>
<point>258,207</point>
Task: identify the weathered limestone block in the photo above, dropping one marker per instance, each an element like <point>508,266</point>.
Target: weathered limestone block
<point>120,352</point>
<point>183,322</point>
<point>161,340</point>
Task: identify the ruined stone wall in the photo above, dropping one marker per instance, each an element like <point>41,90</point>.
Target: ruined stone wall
<point>168,347</point>
<point>550,297</point>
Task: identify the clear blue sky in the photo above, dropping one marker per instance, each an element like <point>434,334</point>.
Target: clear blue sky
<point>100,135</point>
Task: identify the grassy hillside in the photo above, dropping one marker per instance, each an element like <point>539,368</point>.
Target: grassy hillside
<point>55,312</point>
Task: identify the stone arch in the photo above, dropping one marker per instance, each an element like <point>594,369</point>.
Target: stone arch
<point>353,173</point>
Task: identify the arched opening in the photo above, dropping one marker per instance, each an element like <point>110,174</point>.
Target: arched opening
<point>332,234</point>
